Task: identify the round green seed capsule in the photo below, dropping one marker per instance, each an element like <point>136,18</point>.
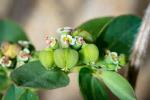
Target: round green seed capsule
<point>47,58</point>
<point>65,58</point>
<point>89,54</point>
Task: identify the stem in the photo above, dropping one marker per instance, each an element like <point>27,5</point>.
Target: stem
<point>76,69</point>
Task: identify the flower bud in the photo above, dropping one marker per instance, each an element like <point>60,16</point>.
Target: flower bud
<point>24,44</point>
<point>5,62</point>
<point>110,61</point>
<point>24,55</point>
<point>79,41</point>
<point>89,53</point>
<point>46,58</point>
<point>114,57</point>
<point>51,42</point>
<point>65,58</point>
<point>86,35</point>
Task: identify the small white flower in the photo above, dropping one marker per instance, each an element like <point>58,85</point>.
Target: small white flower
<point>26,50</point>
<point>53,42</point>
<point>73,41</point>
<point>24,43</point>
<point>50,41</point>
<point>64,41</point>
<point>5,62</point>
<point>79,40</point>
<point>67,40</point>
<point>24,55</point>
<point>64,30</point>
<point>114,56</point>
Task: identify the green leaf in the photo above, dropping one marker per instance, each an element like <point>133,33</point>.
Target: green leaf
<point>29,95</point>
<point>34,75</point>
<point>4,81</point>
<point>121,33</point>
<point>14,93</point>
<point>91,87</point>
<point>11,31</point>
<point>118,85</point>
<point>95,26</point>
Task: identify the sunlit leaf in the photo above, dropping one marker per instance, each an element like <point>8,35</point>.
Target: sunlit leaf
<point>118,85</point>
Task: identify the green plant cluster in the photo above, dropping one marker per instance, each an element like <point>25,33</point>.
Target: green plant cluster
<point>73,49</point>
<point>96,49</point>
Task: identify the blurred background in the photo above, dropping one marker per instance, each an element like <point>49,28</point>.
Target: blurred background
<point>38,17</point>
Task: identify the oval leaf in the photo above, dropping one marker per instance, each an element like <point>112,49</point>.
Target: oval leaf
<point>11,31</point>
<point>91,87</point>
<point>95,26</point>
<point>34,75</point>
<point>118,85</point>
<point>121,33</point>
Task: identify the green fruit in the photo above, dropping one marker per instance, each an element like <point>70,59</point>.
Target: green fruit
<point>89,53</point>
<point>65,58</point>
<point>46,58</point>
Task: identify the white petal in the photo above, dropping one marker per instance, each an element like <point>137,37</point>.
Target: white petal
<point>26,50</point>
<point>59,30</point>
<point>67,28</point>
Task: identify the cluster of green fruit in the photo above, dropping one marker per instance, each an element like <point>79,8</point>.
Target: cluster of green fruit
<point>66,58</point>
<point>71,50</point>
<point>67,52</point>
